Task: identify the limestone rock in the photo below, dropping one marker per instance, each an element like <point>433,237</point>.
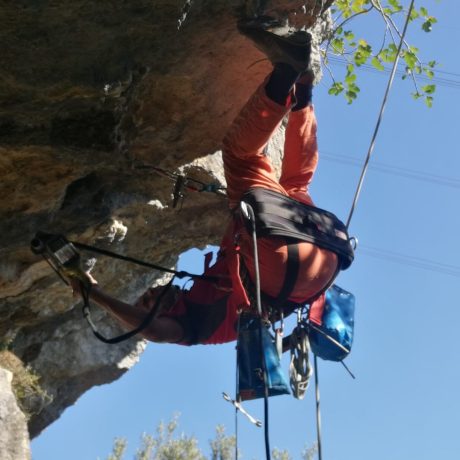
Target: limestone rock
<point>91,94</point>
<point>14,438</point>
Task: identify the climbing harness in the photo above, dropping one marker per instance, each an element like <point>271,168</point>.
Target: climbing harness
<point>183,183</point>
<point>279,215</point>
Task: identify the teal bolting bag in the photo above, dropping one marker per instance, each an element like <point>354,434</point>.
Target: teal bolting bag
<point>332,325</point>
<point>250,365</point>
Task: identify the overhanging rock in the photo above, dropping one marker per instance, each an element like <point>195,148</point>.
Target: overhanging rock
<point>88,92</point>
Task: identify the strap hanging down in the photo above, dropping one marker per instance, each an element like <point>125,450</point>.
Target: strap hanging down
<point>292,271</point>
<point>121,338</point>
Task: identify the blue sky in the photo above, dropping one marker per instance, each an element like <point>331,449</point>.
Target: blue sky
<point>404,402</point>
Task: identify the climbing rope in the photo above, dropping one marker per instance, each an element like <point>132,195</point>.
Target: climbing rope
<point>248,214</point>
<point>356,197</point>
<point>380,116</point>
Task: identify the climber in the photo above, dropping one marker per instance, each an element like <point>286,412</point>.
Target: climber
<point>208,312</point>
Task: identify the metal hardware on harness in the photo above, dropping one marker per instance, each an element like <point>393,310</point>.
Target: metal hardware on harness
<point>178,193</point>
<point>183,183</point>
<point>239,407</point>
<point>300,369</point>
<point>279,333</point>
<point>354,242</point>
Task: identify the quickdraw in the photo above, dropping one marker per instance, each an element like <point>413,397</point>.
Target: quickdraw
<point>183,183</point>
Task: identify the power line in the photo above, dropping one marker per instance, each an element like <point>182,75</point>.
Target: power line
<point>394,170</point>
<point>447,82</point>
<point>417,262</point>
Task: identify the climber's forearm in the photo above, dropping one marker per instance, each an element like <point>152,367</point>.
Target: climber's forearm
<point>160,330</point>
<point>124,312</point>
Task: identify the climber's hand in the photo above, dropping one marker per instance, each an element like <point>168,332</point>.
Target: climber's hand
<point>77,283</point>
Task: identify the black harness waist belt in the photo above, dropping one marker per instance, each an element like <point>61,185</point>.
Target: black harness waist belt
<point>280,215</point>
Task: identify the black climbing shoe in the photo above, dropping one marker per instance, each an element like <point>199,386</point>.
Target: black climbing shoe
<point>278,43</point>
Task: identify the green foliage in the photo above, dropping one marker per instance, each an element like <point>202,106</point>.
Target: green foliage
<point>30,395</point>
<point>223,446</point>
<point>119,447</point>
<point>359,52</point>
<point>280,455</point>
<point>167,445</point>
<point>310,452</point>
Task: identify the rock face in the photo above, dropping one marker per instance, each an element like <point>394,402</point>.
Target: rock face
<point>90,94</point>
<point>14,439</point>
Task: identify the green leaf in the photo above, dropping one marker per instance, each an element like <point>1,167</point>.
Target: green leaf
<point>396,6</point>
<point>427,26</point>
<point>377,64</point>
<point>338,45</point>
<point>336,89</point>
<point>414,14</point>
<point>429,89</point>
<point>350,78</point>
<point>388,54</point>
<point>410,59</point>
<point>429,101</point>
<point>350,96</point>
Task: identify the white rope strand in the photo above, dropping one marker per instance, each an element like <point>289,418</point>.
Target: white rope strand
<point>379,120</point>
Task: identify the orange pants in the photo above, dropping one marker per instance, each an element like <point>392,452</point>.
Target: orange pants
<point>208,312</point>
<point>246,167</point>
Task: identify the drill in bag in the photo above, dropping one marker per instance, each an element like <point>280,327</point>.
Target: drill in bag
<point>61,255</point>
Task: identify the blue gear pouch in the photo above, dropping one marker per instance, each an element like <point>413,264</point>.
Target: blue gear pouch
<point>250,365</point>
<point>337,323</point>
